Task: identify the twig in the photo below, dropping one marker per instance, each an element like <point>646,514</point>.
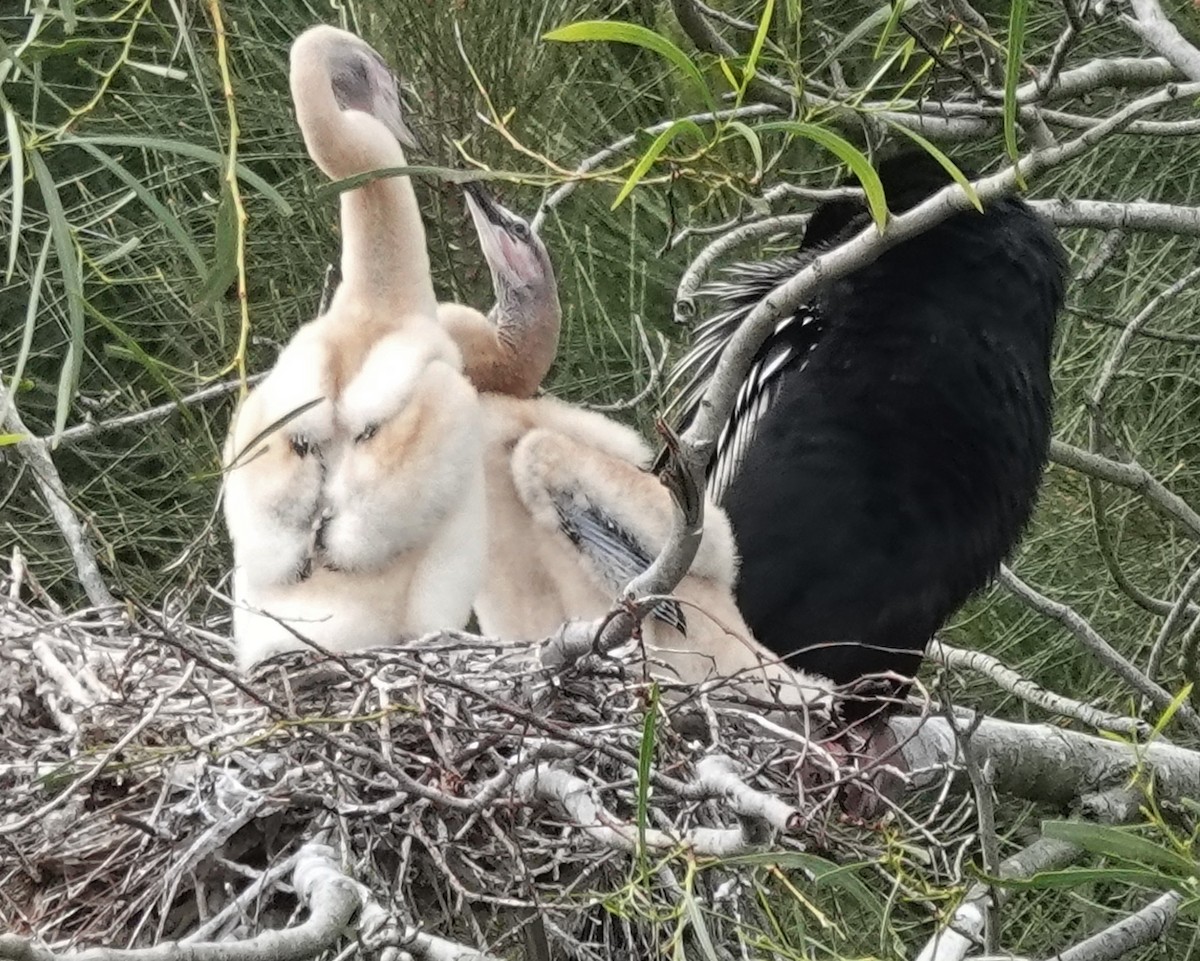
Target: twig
<point>1132,476</point>
<point>619,146</point>
<point>1027,690</point>
<point>1140,928</point>
<point>956,940</point>
<point>1104,652</point>
<point>1182,608</point>
<point>82,432</point>
<point>36,454</point>
<point>332,899</point>
<point>1106,252</point>
<point>693,276</point>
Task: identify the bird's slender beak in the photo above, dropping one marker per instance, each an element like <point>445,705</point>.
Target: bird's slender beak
<point>509,258</point>
<point>484,210</point>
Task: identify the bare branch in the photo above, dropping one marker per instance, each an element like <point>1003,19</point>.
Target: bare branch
<point>1151,24</point>
<point>1140,928</point>
<point>1114,215</point>
<point>1132,476</point>
<point>82,432</point>
<point>1090,638</point>
<point>36,454</point>
<point>1027,690</point>
<point>1043,762</point>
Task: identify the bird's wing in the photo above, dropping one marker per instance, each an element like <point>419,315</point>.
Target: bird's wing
<point>611,550</point>
<point>785,350</point>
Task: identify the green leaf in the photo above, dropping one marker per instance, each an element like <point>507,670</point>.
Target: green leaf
<point>1169,712</point>
<point>612,31</point>
<point>729,77</point>
<point>947,164</point>
<point>185,149</point>
<point>1119,843</point>
<point>760,37</point>
<point>823,873</point>
<point>1075,877</point>
<point>645,760</point>
<point>16,154</point>
<point>846,152</point>
<point>68,263</point>
<point>652,153</point>
<point>1012,75</point>
<point>31,315</point>
<point>7,439</point>
<point>153,204</point>
<point>888,28</point>
<point>222,271</point>
<point>751,138</point>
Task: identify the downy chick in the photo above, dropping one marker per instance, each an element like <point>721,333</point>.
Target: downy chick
<point>360,521</point>
<point>572,514</point>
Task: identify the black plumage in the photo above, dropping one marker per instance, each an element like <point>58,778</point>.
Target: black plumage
<point>887,447</point>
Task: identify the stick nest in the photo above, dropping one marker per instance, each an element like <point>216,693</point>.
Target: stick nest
<point>147,792</point>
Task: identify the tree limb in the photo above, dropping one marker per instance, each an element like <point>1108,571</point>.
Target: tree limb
<point>1151,24</point>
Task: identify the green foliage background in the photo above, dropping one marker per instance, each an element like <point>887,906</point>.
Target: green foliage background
<point>113,98</point>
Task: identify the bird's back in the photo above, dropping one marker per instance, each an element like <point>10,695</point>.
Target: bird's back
<point>900,459</point>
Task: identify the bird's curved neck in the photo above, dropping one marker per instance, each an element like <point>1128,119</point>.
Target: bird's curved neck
<point>528,338</point>
<point>384,256</point>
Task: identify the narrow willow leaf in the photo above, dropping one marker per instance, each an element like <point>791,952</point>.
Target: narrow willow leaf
<point>824,873</point>
<point>888,28</point>
<point>947,164</point>
<point>652,153</point>
<point>1121,844</point>
<point>1176,703</point>
<point>760,37</point>
<point>153,204</point>
<point>645,760</point>
<point>729,77</point>
<point>118,252</point>
<point>856,33</point>
<point>848,154</point>
<point>751,138</point>
<point>222,270</point>
<point>699,927</point>
<point>68,263</point>
<point>1012,76</point>
<point>31,315</point>
<point>185,149</point>
<point>7,439</point>
<point>612,31</point>
<point>167,73</point>
<point>16,154</point>
<point>1074,877</point>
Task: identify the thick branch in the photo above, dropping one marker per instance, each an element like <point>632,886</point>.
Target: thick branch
<point>1151,24</point>
<point>1044,763</point>
<point>1140,928</point>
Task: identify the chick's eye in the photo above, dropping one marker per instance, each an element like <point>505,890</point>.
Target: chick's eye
<point>367,433</point>
<point>520,230</point>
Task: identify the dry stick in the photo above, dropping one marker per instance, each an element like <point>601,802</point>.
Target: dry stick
<point>698,442</point>
<point>1132,476</point>
<point>1151,24</point>
<point>1114,215</point>
<point>1182,608</point>
<point>35,452</point>
<point>1140,928</point>
<point>82,432</point>
<point>1104,652</point>
<point>693,276</point>
<point>332,899</point>
<point>1030,691</point>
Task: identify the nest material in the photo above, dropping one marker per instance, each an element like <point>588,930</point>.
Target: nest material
<point>148,793</point>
